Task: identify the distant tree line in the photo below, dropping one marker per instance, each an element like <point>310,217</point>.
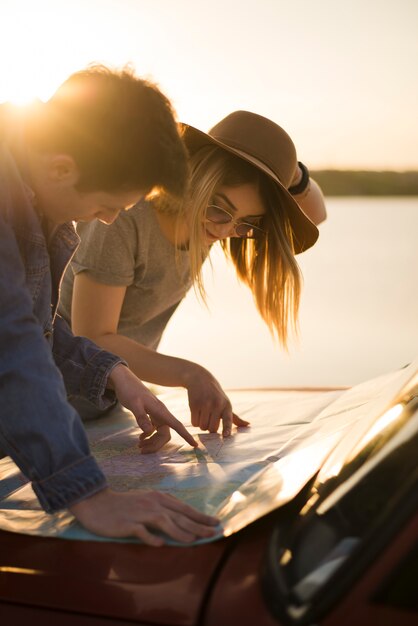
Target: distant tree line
<point>366,183</point>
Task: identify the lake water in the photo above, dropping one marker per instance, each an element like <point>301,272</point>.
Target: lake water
<point>359,310</point>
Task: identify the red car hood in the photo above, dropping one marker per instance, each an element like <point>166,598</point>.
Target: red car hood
<point>114,580</point>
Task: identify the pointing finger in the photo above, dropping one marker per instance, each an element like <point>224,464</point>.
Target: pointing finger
<point>160,415</point>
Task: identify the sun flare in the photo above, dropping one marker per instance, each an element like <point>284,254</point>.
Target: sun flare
<point>50,43</point>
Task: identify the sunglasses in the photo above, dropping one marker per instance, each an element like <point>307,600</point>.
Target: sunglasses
<point>217,215</point>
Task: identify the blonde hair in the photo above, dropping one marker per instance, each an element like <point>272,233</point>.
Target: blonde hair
<point>266,264</point>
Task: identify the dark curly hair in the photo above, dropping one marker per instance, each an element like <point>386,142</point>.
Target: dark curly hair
<point>120,130</point>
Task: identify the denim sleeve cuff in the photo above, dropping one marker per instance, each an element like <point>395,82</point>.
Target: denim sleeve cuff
<point>76,482</point>
<point>95,376</point>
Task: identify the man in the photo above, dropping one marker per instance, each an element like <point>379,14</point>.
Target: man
<point>103,141</point>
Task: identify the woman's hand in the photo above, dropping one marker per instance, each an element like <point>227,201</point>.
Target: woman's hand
<point>209,406</point>
<point>138,513</point>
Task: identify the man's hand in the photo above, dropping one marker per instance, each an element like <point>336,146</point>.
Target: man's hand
<point>138,513</point>
<point>156,441</point>
<point>150,413</point>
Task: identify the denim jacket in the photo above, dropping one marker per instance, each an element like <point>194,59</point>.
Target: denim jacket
<point>40,360</point>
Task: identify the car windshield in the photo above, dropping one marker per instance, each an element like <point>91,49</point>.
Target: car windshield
<point>365,482</point>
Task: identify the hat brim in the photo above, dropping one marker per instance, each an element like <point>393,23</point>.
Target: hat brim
<point>305,233</point>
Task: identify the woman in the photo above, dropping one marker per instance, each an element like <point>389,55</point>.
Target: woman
<point>247,190</point>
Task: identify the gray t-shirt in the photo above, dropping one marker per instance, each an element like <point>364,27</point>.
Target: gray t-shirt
<point>133,252</point>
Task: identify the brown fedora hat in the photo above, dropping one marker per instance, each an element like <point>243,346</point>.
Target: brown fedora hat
<point>268,147</point>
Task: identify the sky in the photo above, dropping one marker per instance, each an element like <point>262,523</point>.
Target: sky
<point>340,77</point>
